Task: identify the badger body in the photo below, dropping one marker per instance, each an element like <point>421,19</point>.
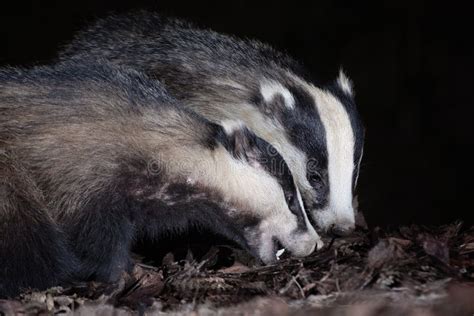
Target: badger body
<point>95,156</point>
<point>316,128</point>
<point>25,223</point>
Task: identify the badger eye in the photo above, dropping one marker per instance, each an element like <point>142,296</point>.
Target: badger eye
<point>316,181</point>
<point>315,178</point>
<point>290,199</point>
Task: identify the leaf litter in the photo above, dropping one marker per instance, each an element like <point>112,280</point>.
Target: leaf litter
<point>411,270</point>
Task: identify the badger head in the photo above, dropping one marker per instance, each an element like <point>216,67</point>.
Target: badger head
<point>344,136</point>
<point>333,168</point>
<point>269,208</point>
<point>323,145</point>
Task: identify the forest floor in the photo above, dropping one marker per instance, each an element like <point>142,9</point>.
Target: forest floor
<point>411,270</point>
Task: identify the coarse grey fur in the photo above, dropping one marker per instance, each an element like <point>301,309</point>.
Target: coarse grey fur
<point>94,156</point>
<point>317,129</point>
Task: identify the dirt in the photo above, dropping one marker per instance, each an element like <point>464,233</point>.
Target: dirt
<point>411,270</point>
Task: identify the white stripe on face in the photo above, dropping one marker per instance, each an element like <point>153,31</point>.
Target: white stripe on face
<point>340,144</point>
<point>269,89</point>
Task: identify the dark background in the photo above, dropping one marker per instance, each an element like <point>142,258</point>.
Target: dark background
<point>412,65</point>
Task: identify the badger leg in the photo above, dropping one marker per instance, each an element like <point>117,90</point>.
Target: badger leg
<point>33,252</point>
<point>179,208</point>
<point>184,217</point>
<point>104,230</point>
<point>101,234</point>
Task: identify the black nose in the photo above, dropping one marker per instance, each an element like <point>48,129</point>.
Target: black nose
<point>339,231</point>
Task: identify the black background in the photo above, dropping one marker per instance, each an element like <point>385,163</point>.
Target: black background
<point>411,63</point>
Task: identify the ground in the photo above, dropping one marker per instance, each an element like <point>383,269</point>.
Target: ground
<point>405,271</point>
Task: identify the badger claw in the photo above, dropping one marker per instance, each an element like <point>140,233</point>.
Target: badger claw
<point>279,253</point>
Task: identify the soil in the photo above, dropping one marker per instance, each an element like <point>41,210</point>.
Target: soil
<point>411,270</point>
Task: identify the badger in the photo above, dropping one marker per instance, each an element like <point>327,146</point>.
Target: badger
<point>96,156</point>
<point>315,127</point>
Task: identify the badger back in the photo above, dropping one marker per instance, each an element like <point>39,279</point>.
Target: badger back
<point>76,126</point>
<point>316,127</point>
<point>100,136</point>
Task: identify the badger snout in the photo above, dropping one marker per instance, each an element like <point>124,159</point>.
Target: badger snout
<point>339,222</point>
<point>296,244</point>
<point>303,244</point>
<point>342,230</point>
<point>300,243</point>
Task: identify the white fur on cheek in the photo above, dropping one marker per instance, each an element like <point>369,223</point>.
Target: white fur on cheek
<point>267,249</point>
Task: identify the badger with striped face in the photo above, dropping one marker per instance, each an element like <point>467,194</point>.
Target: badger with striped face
<point>316,128</point>
<point>94,157</point>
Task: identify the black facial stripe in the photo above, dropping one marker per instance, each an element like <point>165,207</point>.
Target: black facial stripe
<point>305,126</point>
<point>306,131</point>
<point>256,98</point>
<point>273,163</point>
<point>357,127</point>
<point>219,136</point>
<point>303,123</point>
<point>241,143</point>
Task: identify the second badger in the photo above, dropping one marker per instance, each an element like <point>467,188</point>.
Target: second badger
<point>112,158</point>
<point>315,127</point>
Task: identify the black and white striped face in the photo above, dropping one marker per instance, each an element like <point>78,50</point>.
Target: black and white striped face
<point>275,214</point>
<point>323,146</point>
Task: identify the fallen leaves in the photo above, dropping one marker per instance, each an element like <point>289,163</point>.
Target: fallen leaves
<point>436,248</point>
<point>413,269</point>
<point>387,251</point>
<point>140,289</point>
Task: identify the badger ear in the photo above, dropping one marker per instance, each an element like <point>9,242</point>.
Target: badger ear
<point>240,141</point>
<point>275,96</point>
<point>345,83</point>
